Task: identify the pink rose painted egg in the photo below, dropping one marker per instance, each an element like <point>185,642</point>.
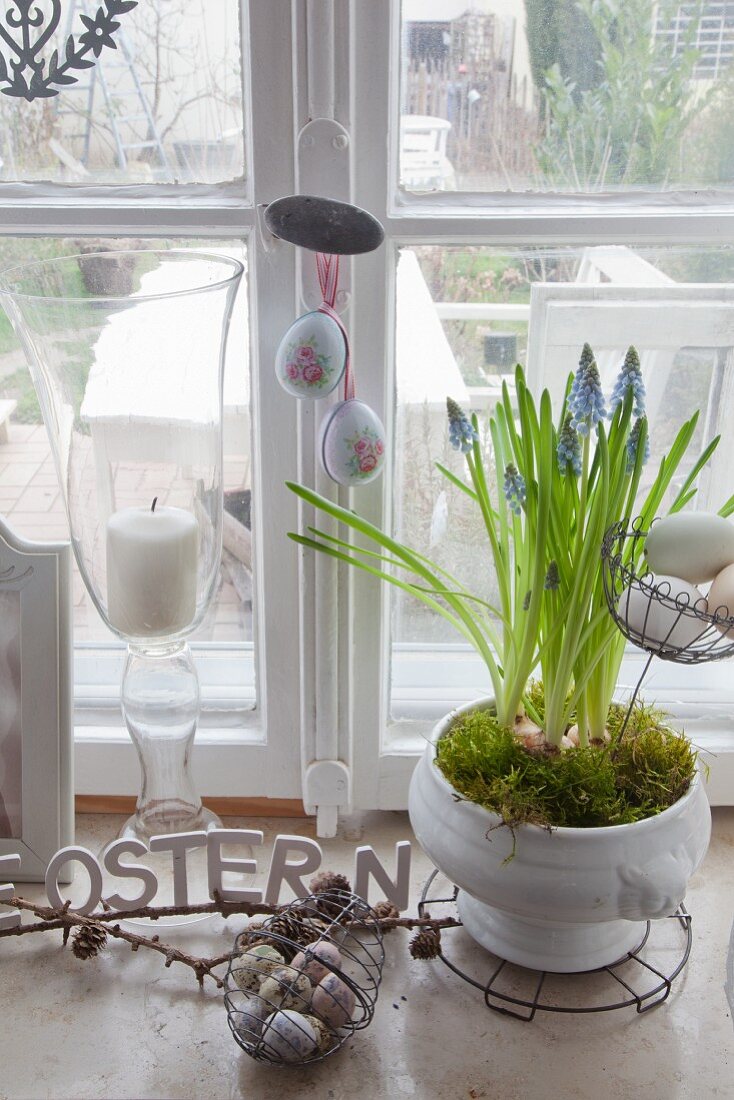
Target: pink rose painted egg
<point>311,357</point>
<point>352,443</point>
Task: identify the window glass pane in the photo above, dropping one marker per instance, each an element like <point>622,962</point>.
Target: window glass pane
<point>463,318</point>
<point>30,500</point>
<point>566,95</point>
<point>164,106</point>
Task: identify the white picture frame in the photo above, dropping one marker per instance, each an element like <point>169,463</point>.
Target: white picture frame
<point>658,321</point>
<point>36,725</point>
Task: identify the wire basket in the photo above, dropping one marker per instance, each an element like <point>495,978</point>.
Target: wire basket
<point>301,983</point>
<point>651,614</point>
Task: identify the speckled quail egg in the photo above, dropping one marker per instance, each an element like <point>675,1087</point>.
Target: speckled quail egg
<point>325,1036</point>
<point>311,960</point>
<point>286,988</point>
<point>333,1001</point>
<point>249,968</point>
<point>288,1035</point>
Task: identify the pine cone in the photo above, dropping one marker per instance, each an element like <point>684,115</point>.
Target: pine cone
<point>296,933</point>
<point>88,940</point>
<point>426,944</point>
<point>385,910</point>
<point>330,882</point>
<point>333,892</point>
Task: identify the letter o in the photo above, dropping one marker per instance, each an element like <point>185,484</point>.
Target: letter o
<point>89,860</point>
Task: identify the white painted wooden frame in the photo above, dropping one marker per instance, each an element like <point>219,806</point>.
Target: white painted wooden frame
<point>40,575</point>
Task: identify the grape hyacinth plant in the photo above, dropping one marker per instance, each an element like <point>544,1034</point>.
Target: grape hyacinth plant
<point>561,483</point>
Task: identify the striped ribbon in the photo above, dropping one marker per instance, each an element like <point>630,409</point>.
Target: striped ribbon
<point>327,269</point>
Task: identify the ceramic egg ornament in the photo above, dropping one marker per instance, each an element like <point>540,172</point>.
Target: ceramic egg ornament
<point>694,546</point>
<point>661,625</point>
<point>352,443</point>
<point>312,356</point>
<point>721,600</point>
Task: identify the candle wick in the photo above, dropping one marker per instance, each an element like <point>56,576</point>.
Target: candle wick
<point>155,500</point>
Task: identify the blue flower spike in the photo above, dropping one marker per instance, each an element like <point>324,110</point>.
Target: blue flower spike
<point>568,451</point>
<point>514,489</point>
<point>629,378</point>
<point>586,400</point>
<point>552,577</point>
<point>633,443</point>
<point>462,434</point>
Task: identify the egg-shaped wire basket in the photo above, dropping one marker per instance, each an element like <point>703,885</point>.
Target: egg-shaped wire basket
<point>256,1017</point>
<point>691,632</point>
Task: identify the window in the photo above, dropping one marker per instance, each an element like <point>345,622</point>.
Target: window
<point>164,106</point>
<point>517,191</point>
<point>153,148</point>
<point>529,210</point>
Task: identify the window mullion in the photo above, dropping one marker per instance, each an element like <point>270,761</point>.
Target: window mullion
<point>537,227</point>
<point>373,326</point>
<point>143,218</point>
<point>274,412</point>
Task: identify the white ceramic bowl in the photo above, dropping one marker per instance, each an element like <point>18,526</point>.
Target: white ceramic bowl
<point>569,899</point>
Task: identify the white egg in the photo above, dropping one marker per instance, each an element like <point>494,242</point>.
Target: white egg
<point>289,1036</point>
<point>352,443</point>
<point>662,625</point>
<point>311,357</point>
<point>721,599</point>
<point>694,546</point>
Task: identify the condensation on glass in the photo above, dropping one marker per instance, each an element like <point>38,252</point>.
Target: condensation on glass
<point>29,492</point>
<point>164,106</point>
<point>463,317</point>
<point>524,95</point>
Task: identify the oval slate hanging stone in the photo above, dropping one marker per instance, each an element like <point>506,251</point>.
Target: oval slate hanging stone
<point>324,225</point>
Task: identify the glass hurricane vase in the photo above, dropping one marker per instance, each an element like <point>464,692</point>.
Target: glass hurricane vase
<point>126,351</point>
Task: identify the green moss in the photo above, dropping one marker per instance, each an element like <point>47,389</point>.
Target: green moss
<point>632,778</point>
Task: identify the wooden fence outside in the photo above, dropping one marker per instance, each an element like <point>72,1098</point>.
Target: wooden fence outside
<point>492,136</point>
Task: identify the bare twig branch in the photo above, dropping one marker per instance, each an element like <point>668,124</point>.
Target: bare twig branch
<point>50,918</point>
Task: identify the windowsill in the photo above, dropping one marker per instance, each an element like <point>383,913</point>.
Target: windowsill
<point>118,987</point>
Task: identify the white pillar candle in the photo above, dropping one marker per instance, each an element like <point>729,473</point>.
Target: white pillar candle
<point>151,570</point>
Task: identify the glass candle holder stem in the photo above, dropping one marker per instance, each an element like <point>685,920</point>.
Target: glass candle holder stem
<point>160,705</point>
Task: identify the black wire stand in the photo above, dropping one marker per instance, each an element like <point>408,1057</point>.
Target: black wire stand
<point>671,627</point>
<point>635,981</point>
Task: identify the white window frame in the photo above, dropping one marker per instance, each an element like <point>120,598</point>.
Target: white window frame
<point>238,753</point>
<point>383,752</point>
